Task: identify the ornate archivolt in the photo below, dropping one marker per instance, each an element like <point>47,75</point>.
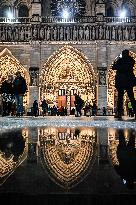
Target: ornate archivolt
<point>68,69</point>
<point>7,164</point>
<point>111,91</point>
<point>67,153</point>
<point>9,65</point>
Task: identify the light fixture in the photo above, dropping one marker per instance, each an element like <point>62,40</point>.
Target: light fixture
<point>123,14</point>
<point>65,13</point>
<point>9,14</point>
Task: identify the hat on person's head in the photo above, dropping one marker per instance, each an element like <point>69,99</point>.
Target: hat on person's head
<point>125,52</point>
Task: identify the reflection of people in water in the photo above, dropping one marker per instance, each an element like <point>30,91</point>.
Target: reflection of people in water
<point>12,143</point>
<point>126,154</point>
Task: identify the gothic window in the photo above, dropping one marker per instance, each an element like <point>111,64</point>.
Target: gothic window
<point>110,12</point>
<point>4,11</point>
<point>23,11</point>
<point>127,10</point>
<point>68,8</point>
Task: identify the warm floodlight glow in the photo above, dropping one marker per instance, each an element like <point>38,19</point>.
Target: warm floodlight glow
<point>65,14</point>
<point>123,14</point>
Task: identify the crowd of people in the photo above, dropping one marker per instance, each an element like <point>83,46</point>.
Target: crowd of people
<point>14,89</point>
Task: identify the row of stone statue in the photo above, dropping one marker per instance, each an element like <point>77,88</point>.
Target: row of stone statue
<point>66,33</point>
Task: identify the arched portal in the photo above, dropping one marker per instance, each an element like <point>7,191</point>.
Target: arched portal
<point>67,153</point>
<point>112,92</point>
<point>9,65</point>
<point>67,72</point>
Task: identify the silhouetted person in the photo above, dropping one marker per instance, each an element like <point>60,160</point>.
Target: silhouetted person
<point>126,154</point>
<point>130,110</point>
<point>94,109</point>
<point>7,95</point>
<point>20,87</point>
<point>44,106</point>
<point>104,111</point>
<point>124,80</point>
<point>79,103</point>
<point>35,108</point>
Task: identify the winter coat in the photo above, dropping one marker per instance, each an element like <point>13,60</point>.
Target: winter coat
<point>125,77</point>
<point>19,85</point>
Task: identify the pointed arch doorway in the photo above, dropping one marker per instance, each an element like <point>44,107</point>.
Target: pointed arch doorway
<point>65,73</point>
<point>112,92</point>
<point>9,66</point>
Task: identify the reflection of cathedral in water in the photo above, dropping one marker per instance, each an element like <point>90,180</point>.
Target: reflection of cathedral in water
<point>67,153</point>
<point>13,151</point>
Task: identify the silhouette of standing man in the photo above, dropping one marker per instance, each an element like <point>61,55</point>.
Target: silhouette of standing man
<point>124,81</point>
<point>126,155</point>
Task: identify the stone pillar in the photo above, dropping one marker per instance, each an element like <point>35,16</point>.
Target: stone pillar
<point>102,144</point>
<point>102,87</point>
<point>100,8</point>
<point>34,85</point>
<point>102,72</point>
<point>32,145</point>
<point>88,8</point>
<point>36,8</point>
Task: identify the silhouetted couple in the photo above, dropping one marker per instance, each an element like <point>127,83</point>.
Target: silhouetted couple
<point>125,80</point>
<point>13,90</point>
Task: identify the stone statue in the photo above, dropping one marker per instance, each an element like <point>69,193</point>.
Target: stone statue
<point>80,33</point>
<point>113,34</point>
<point>9,34</point>
<point>61,34</point>
<point>102,78</point>
<point>48,34</point>
<point>93,33</point>
<point>34,77</point>
<point>125,34</point>
<point>107,33</point>
<point>28,34</point>
<point>119,33</point>
<point>3,34</point>
<point>68,32</point>
<point>101,33</point>
<point>87,33</point>
<point>22,33</point>
<point>16,34</point>
<point>35,33</point>
<point>132,33</point>
<point>41,33</point>
<point>55,33</point>
<point>75,33</point>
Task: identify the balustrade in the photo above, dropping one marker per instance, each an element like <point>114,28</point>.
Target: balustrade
<point>71,29</point>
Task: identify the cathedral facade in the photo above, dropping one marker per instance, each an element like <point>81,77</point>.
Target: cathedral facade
<point>66,47</point>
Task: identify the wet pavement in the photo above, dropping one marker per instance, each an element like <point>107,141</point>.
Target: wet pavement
<point>69,159</point>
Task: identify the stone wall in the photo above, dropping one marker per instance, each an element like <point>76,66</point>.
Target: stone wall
<point>100,54</point>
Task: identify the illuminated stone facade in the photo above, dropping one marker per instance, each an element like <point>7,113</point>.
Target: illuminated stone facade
<point>68,54</point>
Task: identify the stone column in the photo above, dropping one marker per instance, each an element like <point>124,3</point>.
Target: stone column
<point>100,8</point>
<point>34,85</point>
<point>102,72</point>
<point>32,145</point>
<point>36,8</point>
<point>102,144</point>
<point>88,8</point>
